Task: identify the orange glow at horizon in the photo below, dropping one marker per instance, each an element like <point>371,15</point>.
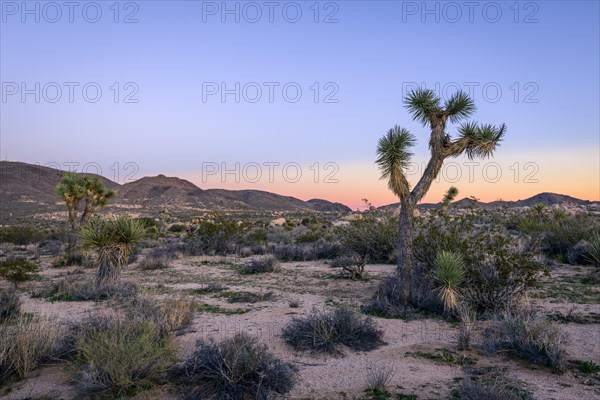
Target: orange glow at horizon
<point>503,177</point>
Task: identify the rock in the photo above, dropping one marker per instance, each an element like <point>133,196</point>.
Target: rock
<point>278,222</point>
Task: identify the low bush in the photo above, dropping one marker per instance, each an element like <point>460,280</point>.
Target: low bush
<point>491,387</point>
<point>352,266</point>
<point>10,304</point>
<point>262,264</point>
<point>18,270</point>
<point>27,342</point>
<point>374,238</point>
<point>499,266</point>
<point>236,368</point>
<point>216,234</point>
<point>529,336</point>
<point>170,315</point>
<point>322,331</point>
<point>117,356</point>
<point>20,235</point>
<point>69,290</point>
<point>153,263</point>
<point>319,250</point>
<point>592,249</point>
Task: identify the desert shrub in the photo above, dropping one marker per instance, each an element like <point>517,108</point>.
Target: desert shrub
<point>374,238</point>
<point>216,234</point>
<point>378,379</point>
<point>322,331</point>
<point>319,250</point>
<point>352,266</point>
<point>18,270</point>
<point>466,318</point>
<point>588,367</point>
<point>500,267</point>
<point>211,287</point>
<point>117,356</point>
<point>237,368</point>
<point>171,249</point>
<point>248,297</point>
<point>529,336</point>
<point>261,265</point>
<point>177,228</point>
<point>10,304</point>
<point>151,226</point>
<point>491,387</point>
<point>386,303</point>
<point>169,315</point>
<point>151,263</point>
<point>27,342</point>
<point>592,249</point>
<point>50,247</point>
<point>20,235</point>
<point>560,238</point>
<point>70,290</point>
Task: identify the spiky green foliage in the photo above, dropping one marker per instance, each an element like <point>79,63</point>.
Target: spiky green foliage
<point>459,107</point>
<point>478,140</point>
<point>423,105</point>
<point>449,197</point>
<point>112,240</point>
<point>393,155</point>
<point>449,272</point>
<point>593,249</point>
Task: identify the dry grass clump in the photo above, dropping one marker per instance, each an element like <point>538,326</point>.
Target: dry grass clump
<point>489,385</point>
<point>529,336</point>
<point>10,304</point>
<point>69,290</point>
<point>262,264</point>
<point>323,331</point>
<point>236,368</point>
<point>154,263</point>
<point>170,315</point>
<point>26,343</point>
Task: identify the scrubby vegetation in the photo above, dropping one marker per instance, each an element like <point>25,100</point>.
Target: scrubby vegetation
<point>18,270</point>
<point>530,336</point>
<point>237,368</point>
<point>326,332</point>
<point>10,304</point>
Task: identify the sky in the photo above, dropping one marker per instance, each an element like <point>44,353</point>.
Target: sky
<point>291,97</point>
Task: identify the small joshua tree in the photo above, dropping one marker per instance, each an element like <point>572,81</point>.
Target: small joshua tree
<point>393,151</point>
<point>449,197</point>
<point>112,240</point>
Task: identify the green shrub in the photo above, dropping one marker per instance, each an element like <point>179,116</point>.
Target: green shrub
<point>118,356</point>
<point>323,331</point>
<point>374,238</point>
<point>20,235</point>
<point>589,367</point>
<point>449,272</point>
<point>236,368</point>
<point>177,228</point>
<point>216,234</point>
<point>500,267</point>
<point>18,270</point>
<point>10,304</point>
<point>529,336</point>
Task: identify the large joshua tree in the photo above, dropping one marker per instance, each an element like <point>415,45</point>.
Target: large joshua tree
<point>393,151</point>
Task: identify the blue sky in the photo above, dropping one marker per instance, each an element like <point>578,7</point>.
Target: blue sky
<point>533,65</point>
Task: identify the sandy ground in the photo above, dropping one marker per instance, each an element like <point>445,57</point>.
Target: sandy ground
<point>313,284</point>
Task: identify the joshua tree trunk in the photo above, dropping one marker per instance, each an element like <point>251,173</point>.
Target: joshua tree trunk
<point>405,262</point>
<point>108,273</point>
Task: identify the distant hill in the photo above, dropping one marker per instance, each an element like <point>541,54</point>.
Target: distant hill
<point>324,205</point>
<point>548,199</point>
<point>28,190</point>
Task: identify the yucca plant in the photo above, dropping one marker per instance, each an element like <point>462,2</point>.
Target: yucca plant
<point>449,197</point>
<point>112,240</point>
<point>450,273</point>
<point>593,249</point>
